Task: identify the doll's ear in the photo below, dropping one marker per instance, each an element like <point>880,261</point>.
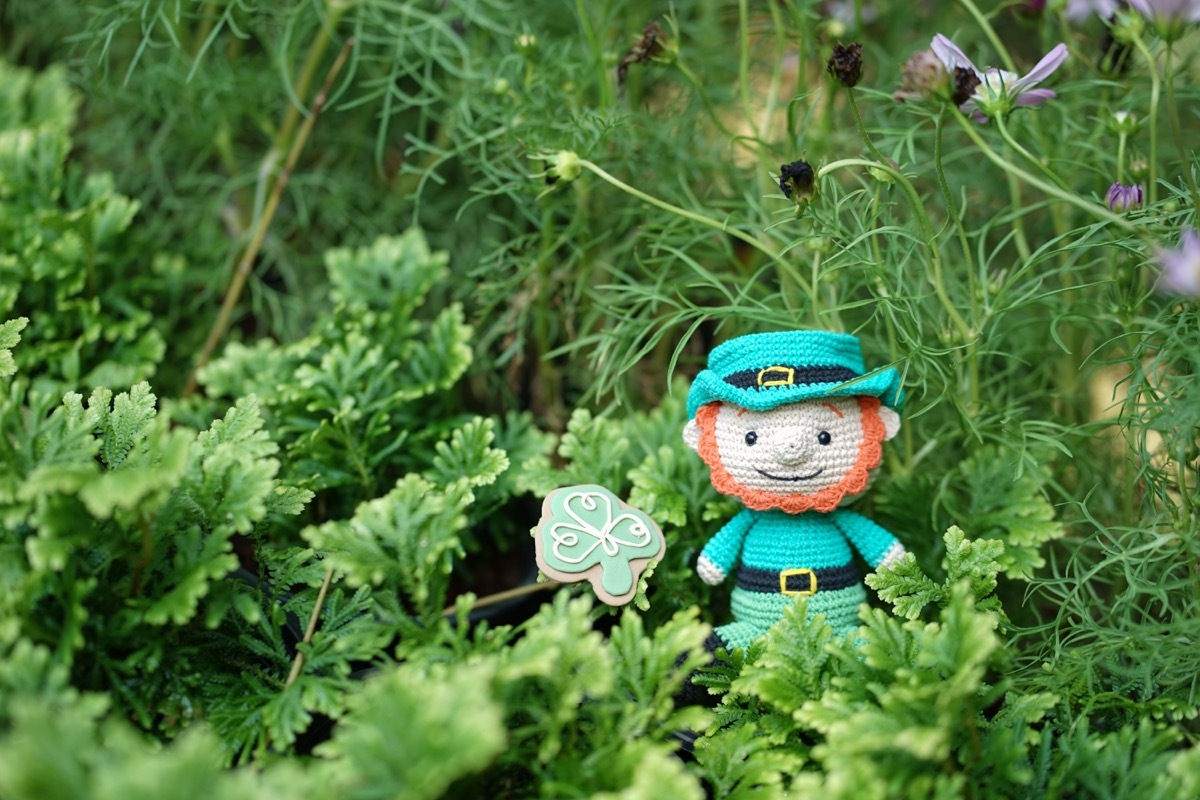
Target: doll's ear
<point>691,434</point>
<point>891,422</point>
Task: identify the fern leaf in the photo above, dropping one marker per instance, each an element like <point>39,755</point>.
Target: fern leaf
<point>10,334</point>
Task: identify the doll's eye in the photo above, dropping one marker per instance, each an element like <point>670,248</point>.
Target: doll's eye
<point>824,438</point>
<point>751,437</point>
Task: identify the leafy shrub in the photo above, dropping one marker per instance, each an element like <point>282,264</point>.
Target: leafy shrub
<point>483,244</point>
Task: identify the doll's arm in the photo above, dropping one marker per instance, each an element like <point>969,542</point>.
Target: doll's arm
<point>721,553</point>
<point>878,547</point>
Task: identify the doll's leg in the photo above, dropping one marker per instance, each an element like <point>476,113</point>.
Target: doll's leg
<point>840,607</point>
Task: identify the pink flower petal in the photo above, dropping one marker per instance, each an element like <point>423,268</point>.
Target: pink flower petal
<point>1045,68</point>
<point>1035,97</point>
<point>951,55</point>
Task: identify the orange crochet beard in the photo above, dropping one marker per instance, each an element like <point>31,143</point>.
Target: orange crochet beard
<point>870,454</point>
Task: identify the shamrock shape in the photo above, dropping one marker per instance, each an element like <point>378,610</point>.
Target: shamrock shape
<point>587,533</point>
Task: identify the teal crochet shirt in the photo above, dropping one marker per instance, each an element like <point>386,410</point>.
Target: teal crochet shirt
<point>812,540</point>
<point>777,541</point>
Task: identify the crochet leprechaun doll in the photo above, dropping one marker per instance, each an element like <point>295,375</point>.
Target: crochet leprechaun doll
<point>790,424</point>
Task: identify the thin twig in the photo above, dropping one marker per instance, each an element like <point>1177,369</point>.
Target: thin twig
<point>507,594</point>
<point>298,663</point>
<point>244,267</point>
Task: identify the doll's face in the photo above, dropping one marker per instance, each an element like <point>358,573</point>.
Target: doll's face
<point>806,455</point>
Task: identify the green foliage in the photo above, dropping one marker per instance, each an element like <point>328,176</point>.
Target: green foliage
<point>10,334</point>
<point>409,734</point>
<point>405,540</point>
<point>974,564</point>
<point>1010,508</point>
<point>494,249</point>
<point>61,246</point>
<point>344,401</point>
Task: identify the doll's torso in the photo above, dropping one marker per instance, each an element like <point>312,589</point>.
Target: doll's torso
<point>777,540</point>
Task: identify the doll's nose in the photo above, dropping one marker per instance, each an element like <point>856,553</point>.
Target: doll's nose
<point>791,447</point>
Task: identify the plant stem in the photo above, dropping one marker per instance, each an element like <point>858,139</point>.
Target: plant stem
<point>990,33</point>
<point>316,51</point>
<point>1007,136</point>
<point>298,663</point>
<point>246,264</point>
<point>1155,85</point>
<point>1176,130</point>
<point>951,205</point>
<point>935,258</point>
<point>1122,138</point>
<point>1015,199</point>
<point>1095,210</point>
<point>708,106</point>
<point>770,252</point>
<point>862,131</point>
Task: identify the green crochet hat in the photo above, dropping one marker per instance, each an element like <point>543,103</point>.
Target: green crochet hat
<point>765,370</point>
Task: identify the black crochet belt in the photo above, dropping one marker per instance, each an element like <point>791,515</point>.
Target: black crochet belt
<point>797,582</point>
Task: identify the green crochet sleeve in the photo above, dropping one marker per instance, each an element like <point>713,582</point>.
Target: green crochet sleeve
<point>872,541</point>
<point>725,546</point>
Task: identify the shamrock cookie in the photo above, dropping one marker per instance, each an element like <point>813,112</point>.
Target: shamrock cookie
<point>588,533</point>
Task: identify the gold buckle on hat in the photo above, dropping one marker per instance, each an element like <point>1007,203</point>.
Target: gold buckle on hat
<point>788,380</point>
<point>812,583</point>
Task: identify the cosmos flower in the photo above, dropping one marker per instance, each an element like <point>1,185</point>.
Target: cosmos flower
<point>1168,10</point>
<point>1170,18</point>
<point>1181,266</point>
<point>1121,198</point>
<point>1079,10</point>
<point>1000,91</point>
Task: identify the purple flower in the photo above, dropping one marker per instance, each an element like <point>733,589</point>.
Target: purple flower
<point>1079,10</point>
<point>1181,267</point>
<point>1000,91</point>
<point>1121,198</point>
<point>1170,17</point>
<point>1168,10</point>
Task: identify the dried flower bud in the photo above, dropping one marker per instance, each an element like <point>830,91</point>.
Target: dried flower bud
<point>964,83</point>
<point>925,78</point>
<point>798,181</point>
<point>652,45</point>
<point>845,65</point>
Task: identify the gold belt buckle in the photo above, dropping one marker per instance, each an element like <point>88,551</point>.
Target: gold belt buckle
<point>776,376</point>
<point>787,573</point>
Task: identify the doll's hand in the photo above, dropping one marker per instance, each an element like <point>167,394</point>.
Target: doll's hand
<point>892,556</point>
<point>709,572</point>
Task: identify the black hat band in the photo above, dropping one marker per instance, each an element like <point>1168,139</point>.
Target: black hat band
<point>782,375</point>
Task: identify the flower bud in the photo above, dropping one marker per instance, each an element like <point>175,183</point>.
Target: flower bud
<point>1139,168</point>
<point>845,65</point>
<point>566,166</point>
<point>1124,123</point>
<point>1121,198</point>
<point>1127,27</point>
<point>527,44</point>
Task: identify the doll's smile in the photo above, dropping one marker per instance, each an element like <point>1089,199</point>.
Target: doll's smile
<point>796,478</point>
